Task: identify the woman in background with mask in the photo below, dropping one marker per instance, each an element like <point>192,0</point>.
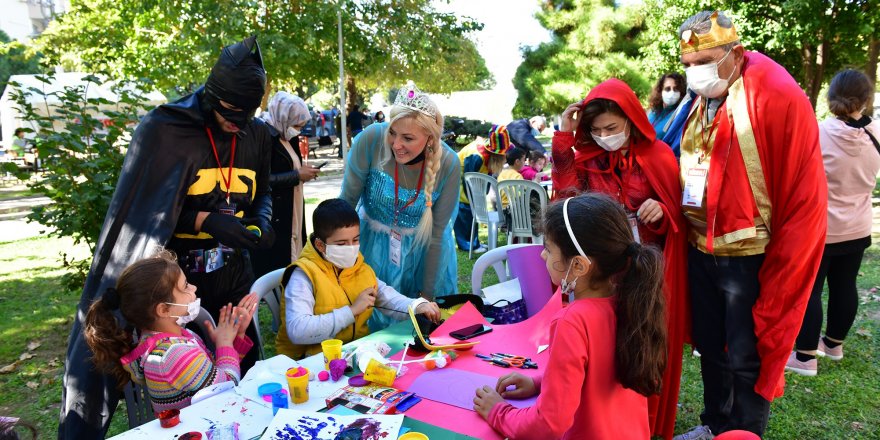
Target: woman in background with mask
<point>286,115</point>
<point>606,144</point>
<point>330,291</point>
<point>170,361</point>
<point>664,100</point>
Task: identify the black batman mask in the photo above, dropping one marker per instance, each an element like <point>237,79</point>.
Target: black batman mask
<point>238,78</point>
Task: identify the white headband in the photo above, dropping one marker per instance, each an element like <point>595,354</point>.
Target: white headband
<point>570,232</point>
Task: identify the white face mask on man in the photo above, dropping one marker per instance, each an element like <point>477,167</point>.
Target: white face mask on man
<point>704,79</point>
<point>192,312</point>
<point>613,142</point>
<point>342,256</point>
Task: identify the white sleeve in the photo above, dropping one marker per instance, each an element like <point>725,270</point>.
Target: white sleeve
<point>303,326</point>
<point>392,303</point>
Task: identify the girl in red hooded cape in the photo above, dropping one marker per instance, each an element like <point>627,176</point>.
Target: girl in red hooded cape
<point>615,150</point>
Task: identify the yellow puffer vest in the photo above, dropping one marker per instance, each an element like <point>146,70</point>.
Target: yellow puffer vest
<point>332,291</point>
<point>472,149</point>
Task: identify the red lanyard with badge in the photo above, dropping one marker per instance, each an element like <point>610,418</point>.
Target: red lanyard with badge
<point>395,247</point>
<point>697,176</point>
<point>226,180</point>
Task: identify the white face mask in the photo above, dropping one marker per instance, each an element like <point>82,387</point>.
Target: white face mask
<point>670,97</point>
<point>568,286</point>
<point>704,79</point>
<point>192,312</point>
<point>613,142</point>
<point>342,257</point>
<point>292,133</point>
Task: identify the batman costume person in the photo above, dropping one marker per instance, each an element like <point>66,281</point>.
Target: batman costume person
<point>196,173</point>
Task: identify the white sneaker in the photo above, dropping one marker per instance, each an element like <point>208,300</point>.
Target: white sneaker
<point>701,432</point>
<point>480,250</point>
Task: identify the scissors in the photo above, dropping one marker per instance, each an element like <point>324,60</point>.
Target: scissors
<point>516,361</point>
<point>493,360</point>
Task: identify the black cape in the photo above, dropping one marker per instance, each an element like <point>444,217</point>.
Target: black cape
<point>166,152</point>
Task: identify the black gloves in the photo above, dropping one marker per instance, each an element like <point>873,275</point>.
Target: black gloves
<point>267,234</point>
<point>229,230</point>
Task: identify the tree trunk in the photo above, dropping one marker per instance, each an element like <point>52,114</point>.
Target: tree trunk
<point>352,96</point>
<point>809,64</point>
<point>871,71</point>
<point>819,72</point>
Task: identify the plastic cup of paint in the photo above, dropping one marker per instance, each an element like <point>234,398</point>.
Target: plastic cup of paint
<point>298,382</point>
<point>332,349</point>
<point>279,400</point>
<point>192,435</point>
<point>413,436</point>
<point>169,418</point>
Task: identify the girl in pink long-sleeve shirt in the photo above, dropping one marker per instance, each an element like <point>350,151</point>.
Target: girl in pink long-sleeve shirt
<point>608,346</point>
<point>170,361</point>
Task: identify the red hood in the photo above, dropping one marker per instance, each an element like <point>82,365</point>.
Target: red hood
<point>619,92</point>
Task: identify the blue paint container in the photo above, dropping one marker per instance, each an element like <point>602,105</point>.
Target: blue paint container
<point>279,400</point>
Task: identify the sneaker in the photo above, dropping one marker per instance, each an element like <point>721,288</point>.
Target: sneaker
<point>699,433</point>
<point>481,249</point>
<point>808,368</point>
<point>835,354</point>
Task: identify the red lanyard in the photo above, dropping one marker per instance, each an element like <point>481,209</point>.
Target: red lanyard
<point>617,162</point>
<point>226,180</point>
<point>397,187</point>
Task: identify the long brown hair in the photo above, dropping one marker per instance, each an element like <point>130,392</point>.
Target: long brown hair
<point>140,288</point>
<point>636,272</point>
<point>655,101</point>
<point>597,107</point>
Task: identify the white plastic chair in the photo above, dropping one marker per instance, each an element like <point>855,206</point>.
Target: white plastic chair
<point>534,281</point>
<point>478,185</point>
<point>495,259</point>
<point>519,194</point>
<point>269,290</point>
<point>203,330</point>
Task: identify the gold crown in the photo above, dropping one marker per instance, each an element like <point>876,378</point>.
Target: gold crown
<point>717,36</point>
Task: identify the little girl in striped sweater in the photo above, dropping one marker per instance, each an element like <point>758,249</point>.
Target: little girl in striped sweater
<point>172,362</point>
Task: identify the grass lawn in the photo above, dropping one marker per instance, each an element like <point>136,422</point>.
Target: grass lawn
<point>839,403</point>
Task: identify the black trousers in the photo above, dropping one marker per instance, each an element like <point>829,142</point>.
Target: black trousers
<point>723,292</point>
<point>840,266</point>
<point>228,284</point>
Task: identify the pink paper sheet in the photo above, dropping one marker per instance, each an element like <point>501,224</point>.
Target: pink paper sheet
<point>522,338</point>
<point>456,387</point>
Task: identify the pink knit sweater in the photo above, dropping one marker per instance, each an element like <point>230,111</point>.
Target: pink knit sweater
<point>851,165</point>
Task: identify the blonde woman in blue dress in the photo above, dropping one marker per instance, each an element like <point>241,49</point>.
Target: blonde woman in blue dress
<point>404,181</point>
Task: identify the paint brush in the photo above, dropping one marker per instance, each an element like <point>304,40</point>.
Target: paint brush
<point>402,359</point>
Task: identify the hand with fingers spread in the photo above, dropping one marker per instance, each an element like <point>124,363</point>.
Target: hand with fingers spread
<point>570,117</point>
<point>650,211</point>
<point>245,310</point>
<point>365,300</point>
<point>523,386</point>
<point>226,330</point>
<point>485,399</point>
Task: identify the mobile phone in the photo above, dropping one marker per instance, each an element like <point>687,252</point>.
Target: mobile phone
<point>318,166</point>
<point>470,331</point>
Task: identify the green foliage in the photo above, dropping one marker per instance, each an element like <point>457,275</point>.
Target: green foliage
<point>812,39</point>
<point>176,42</point>
<point>80,139</point>
<point>466,127</point>
<point>593,40</point>
<point>16,59</point>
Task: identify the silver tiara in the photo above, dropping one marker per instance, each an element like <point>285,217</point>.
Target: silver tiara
<point>410,96</point>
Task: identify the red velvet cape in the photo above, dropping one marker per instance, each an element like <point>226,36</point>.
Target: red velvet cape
<point>658,163</point>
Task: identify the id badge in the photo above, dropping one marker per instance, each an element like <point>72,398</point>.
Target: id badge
<point>694,187</point>
<point>634,225</point>
<point>196,261</point>
<point>394,247</point>
<point>213,259</point>
<point>226,209</point>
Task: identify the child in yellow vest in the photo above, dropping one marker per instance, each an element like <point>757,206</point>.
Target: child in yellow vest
<point>330,292</point>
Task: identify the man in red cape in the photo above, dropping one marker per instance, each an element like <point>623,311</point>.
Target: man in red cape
<point>755,203</point>
<point>657,162</point>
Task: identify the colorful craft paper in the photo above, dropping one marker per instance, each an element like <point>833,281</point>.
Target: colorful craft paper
<point>457,387</point>
<point>291,424</point>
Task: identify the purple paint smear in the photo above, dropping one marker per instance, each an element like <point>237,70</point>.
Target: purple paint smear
<point>309,428</point>
<point>457,388</point>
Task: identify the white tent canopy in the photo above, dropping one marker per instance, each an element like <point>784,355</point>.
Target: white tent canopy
<point>11,118</point>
